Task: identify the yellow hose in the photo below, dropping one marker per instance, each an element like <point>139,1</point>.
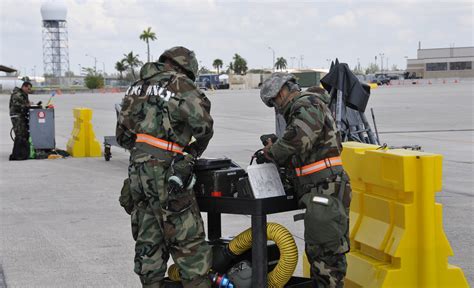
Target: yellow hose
<point>173,273</point>
<point>288,252</point>
<point>285,268</point>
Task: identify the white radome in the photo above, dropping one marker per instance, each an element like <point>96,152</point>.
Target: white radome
<point>54,11</point>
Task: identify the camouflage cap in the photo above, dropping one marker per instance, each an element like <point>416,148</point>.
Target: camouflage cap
<point>185,59</point>
<point>273,85</point>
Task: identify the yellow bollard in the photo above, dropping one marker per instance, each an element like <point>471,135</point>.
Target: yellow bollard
<point>83,142</point>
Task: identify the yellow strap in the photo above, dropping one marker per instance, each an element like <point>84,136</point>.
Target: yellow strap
<point>318,166</point>
<point>159,143</point>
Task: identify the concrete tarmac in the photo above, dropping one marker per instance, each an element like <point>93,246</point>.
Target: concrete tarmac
<point>61,224</point>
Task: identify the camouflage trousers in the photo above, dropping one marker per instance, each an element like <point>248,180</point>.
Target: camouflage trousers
<point>20,127</point>
<point>166,223</point>
<point>328,264</point>
<point>21,145</point>
<point>327,233</point>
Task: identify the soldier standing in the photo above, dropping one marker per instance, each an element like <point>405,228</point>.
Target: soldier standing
<point>311,148</point>
<point>19,105</point>
<point>160,115</point>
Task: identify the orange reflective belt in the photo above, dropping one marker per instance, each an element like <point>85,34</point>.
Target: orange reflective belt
<point>318,166</point>
<point>159,143</point>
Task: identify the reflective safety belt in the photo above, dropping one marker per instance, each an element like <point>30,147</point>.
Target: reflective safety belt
<point>159,143</point>
<point>318,166</point>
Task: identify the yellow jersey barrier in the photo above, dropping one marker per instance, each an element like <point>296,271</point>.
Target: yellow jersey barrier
<point>83,142</point>
<point>396,232</point>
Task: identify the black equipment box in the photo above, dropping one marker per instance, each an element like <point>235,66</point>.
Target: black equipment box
<point>217,177</point>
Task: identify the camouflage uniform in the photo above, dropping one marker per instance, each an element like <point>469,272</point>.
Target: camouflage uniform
<point>19,105</point>
<point>311,136</point>
<point>166,105</point>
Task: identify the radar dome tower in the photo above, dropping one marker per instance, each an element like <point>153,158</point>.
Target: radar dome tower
<point>55,46</point>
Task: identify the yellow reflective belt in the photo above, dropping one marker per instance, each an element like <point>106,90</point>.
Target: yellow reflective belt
<point>159,143</point>
<point>318,166</point>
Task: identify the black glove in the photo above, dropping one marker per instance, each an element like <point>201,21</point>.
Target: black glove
<point>264,138</point>
<point>261,158</point>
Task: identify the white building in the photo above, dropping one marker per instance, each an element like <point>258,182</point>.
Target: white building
<point>454,62</point>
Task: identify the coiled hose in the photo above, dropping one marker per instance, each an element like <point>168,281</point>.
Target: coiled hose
<point>286,244</point>
<point>173,273</point>
<point>285,268</point>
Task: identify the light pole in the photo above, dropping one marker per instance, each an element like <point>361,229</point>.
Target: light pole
<point>301,58</point>
<point>329,63</point>
<point>381,62</point>
<point>80,69</point>
<point>387,65</point>
<point>292,62</point>
<point>95,62</point>
<point>273,59</point>
<point>103,67</point>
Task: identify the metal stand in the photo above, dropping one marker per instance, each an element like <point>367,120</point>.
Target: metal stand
<point>258,209</point>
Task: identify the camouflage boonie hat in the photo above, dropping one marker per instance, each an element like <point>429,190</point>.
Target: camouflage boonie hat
<point>184,57</point>
<point>272,86</point>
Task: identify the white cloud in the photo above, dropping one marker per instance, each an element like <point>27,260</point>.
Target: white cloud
<point>318,30</point>
<point>345,20</point>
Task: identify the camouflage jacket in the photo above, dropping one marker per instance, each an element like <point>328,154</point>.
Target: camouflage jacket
<point>310,134</point>
<point>19,103</point>
<point>166,105</point>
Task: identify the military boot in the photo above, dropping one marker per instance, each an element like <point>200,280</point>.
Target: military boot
<point>198,282</point>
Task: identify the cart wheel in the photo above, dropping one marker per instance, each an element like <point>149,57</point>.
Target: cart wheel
<point>107,153</point>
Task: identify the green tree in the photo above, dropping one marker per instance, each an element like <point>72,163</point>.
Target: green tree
<point>203,70</point>
<point>146,36</point>
<point>357,70</point>
<point>217,64</point>
<point>372,68</point>
<point>132,62</point>
<point>121,66</point>
<point>93,80</point>
<point>280,63</point>
<point>240,65</point>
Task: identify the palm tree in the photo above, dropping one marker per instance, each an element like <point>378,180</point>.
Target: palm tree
<point>121,67</point>
<point>132,62</point>
<point>146,36</point>
<point>240,64</point>
<point>217,64</point>
<point>280,64</point>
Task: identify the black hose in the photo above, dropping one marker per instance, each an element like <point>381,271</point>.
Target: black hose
<point>11,136</point>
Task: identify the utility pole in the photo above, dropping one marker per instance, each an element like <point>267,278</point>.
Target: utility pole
<point>273,62</point>
<point>381,62</point>
<point>292,62</point>
<point>95,62</point>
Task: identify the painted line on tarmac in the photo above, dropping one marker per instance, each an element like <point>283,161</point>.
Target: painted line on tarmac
<point>426,131</point>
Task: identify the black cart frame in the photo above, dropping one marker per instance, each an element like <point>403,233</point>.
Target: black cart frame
<point>258,209</point>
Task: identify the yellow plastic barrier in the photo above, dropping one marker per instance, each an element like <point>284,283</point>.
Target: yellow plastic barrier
<point>397,237</point>
<point>83,142</point>
<point>373,85</point>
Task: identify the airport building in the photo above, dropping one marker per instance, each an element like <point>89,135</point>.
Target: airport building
<point>454,62</point>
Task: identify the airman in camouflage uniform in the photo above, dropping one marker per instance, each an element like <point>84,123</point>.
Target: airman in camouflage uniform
<point>311,148</point>
<point>160,115</point>
<point>19,105</point>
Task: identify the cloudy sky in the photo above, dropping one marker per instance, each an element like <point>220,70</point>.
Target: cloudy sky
<point>306,33</point>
